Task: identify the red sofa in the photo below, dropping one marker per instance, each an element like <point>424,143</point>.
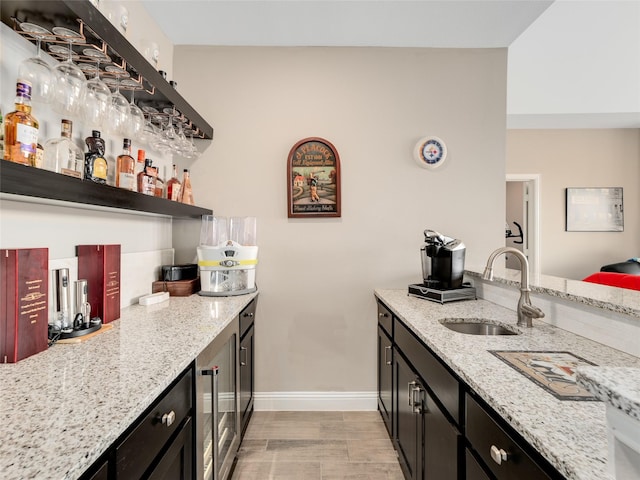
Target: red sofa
<point>622,280</point>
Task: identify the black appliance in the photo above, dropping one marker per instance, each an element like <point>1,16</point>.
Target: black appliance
<point>442,270</point>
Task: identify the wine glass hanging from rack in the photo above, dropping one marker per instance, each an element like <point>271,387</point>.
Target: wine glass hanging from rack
<point>93,50</point>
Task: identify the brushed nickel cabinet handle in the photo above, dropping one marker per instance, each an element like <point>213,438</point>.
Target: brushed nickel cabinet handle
<point>243,363</point>
<point>169,418</point>
<point>498,455</point>
<point>387,349</point>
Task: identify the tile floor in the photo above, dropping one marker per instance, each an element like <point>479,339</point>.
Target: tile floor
<point>317,446</point>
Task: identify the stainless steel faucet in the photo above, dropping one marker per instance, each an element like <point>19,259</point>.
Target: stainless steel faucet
<point>526,311</point>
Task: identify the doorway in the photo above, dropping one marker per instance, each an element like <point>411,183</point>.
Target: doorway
<point>522,229</point>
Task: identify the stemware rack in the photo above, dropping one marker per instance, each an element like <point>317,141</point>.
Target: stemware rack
<point>97,32</point>
<point>154,91</point>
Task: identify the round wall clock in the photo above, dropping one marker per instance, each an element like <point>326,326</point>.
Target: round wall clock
<point>430,152</point>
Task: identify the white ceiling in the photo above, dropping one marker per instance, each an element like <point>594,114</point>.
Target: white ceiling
<point>385,23</point>
<point>560,45</point>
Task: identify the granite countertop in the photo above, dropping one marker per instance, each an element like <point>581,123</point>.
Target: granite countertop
<point>62,408</point>
<point>618,386</point>
<point>619,300</point>
<point>571,434</point>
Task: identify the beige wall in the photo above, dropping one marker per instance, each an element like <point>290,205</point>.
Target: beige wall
<point>580,158</point>
<point>316,313</point>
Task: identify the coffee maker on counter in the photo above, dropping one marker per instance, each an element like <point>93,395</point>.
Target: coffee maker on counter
<point>442,270</point>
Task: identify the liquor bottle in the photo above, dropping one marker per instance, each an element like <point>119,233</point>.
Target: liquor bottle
<point>173,186</point>
<point>159,188</point>
<point>146,179</point>
<point>21,128</point>
<point>139,167</point>
<point>186,193</point>
<point>62,155</point>
<point>39,163</point>
<point>95,165</point>
<point>125,168</point>
<point>1,135</point>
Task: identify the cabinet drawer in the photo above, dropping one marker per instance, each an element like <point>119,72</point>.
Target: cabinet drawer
<point>247,317</point>
<point>385,319</point>
<point>484,434</point>
<point>138,451</point>
<point>444,385</point>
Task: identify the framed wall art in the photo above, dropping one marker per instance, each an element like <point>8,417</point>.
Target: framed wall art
<point>594,210</point>
<point>313,179</point>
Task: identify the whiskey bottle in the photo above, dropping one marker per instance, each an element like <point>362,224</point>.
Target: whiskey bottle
<point>173,186</point>
<point>186,194</point>
<point>21,128</point>
<point>62,155</point>
<point>146,179</point>
<point>95,165</point>
<point>159,187</point>
<point>125,168</point>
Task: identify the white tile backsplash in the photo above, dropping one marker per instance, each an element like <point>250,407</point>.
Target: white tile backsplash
<point>137,272</point>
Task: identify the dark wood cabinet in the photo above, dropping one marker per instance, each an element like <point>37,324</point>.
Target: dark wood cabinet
<point>385,379</point>
<point>426,440</point>
<point>159,445</point>
<point>430,406</point>
<point>473,468</point>
<point>140,449</point>
<point>408,418</point>
<point>102,473</point>
<point>177,462</point>
<point>246,363</point>
<point>498,448</point>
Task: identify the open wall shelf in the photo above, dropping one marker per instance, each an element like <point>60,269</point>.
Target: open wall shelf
<point>17,179</point>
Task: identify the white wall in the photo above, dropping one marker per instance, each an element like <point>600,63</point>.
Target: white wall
<point>316,312</point>
<point>580,158</point>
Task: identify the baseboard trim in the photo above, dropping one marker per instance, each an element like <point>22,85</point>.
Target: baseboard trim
<point>316,401</point>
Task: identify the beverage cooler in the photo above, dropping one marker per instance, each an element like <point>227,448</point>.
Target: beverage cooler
<point>217,428</point>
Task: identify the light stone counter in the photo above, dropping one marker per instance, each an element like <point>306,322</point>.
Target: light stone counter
<point>571,435</point>
<point>619,300</point>
<point>619,386</point>
<point>61,409</point>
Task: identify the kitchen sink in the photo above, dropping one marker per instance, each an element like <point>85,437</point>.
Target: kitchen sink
<point>476,326</point>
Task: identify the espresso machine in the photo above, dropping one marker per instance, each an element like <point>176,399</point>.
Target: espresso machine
<point>442,270</point>
<point>227,256</point>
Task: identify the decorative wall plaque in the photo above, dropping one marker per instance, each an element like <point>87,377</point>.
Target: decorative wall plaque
<point>313,178</point>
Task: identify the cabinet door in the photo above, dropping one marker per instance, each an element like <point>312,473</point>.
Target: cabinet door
<point>473,468</point>
<point>441,442</point>
<point>408,423</point>
<point>246,377</point>
<point>177,462</point>
<point>385,379</point>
